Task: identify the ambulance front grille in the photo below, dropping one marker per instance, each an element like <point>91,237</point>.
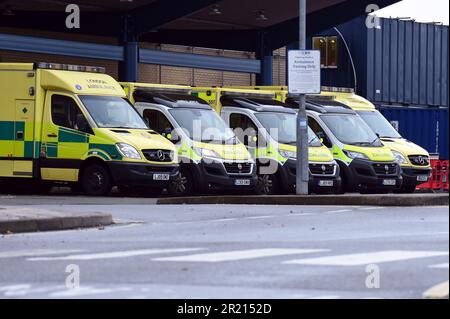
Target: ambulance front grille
<point>163,156</point>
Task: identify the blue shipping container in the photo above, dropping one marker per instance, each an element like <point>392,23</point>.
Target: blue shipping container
<point>401,63</point>
<point>427,127</point>
<point>407,63</point>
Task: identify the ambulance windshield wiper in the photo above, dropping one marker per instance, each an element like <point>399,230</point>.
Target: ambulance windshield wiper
<point>313,139</point>
<point>375,140</point>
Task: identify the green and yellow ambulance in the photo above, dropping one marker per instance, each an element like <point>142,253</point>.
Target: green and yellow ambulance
<point>211,158</point>
<point>69,124</point>
<point>413,159</point>
<point>366,164</point>
<point>268,128</point>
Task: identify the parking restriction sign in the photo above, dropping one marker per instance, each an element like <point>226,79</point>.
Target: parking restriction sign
<point>304,72</point>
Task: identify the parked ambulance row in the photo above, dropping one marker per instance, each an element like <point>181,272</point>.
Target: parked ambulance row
<point>76,126</point>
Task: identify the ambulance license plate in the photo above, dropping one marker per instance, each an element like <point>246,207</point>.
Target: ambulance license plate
<point>326,183</point>
<point>389,182</point>
<point>161,177</point>
<point>422,178</point>
<point>242,182</point>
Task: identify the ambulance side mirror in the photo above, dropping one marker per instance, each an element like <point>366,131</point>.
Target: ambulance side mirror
<point>171,136</point>
<point>324,139</point>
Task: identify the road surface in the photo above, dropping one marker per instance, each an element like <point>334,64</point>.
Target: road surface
<point>228,251</point>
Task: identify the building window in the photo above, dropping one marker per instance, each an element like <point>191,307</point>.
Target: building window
<point>328,47</point>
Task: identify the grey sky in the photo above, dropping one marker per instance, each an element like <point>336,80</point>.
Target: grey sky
<point>420,10</point>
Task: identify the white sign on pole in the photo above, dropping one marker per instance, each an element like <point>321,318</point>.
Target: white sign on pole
<point>304,72</point>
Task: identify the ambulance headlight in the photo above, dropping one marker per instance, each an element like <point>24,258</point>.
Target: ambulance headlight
<point>288,154</point>
<point>354,155</point>
<point>128,151</point>
<point>399,158</point>
<point>202,152</point>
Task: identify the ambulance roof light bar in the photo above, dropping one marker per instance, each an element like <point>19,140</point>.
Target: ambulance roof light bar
<point>337,89</point>
<point>260,94</point>
<point>70,67</point>
<point>162,90</point>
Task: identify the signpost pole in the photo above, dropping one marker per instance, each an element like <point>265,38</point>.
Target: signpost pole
<point>302,120</point>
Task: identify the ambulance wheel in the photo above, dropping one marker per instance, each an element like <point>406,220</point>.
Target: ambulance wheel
<point>267,185</point>
<point>96,180</point>
<point>182,185</point>
<point>340,188</point>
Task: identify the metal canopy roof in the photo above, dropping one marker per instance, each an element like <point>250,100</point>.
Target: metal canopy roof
<point>225,24</point>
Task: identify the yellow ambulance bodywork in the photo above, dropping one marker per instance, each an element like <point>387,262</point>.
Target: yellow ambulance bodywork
<point>413,159</point>
<point>414,173</point>
<point>317,155</point>
<point>227,152</point>
<point>32,146</point>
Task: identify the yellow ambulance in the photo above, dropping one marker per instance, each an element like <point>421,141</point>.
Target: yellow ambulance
<point>413,159</point>
<point>69,124</point>
<point>211,158</point>
<point>268,128</point>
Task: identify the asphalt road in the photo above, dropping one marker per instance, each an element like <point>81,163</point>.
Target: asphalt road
<point>229,252</point>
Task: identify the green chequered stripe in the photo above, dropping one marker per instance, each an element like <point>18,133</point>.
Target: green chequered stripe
<point>28,149</point>
<point>7,131</point>
<point>110,149</point>
<point>99,153</point>
<point>51,149</point>
<point>72,136</point>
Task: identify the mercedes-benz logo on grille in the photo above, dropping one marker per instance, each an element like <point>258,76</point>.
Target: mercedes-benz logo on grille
<point>240,167</point>
<point>421,160</point>
<point>161,155</point>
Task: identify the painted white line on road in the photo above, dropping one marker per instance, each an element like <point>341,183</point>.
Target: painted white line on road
<point>239,255</point>
<point>223,220</point>
<point>15,287</point>
<point>439,266</point>
<point>330,297</point>
<point>26,290</point>
<point>260,217</point>
<point>300,214</point>
<point>37,252</point>
<point>117,254</point>
<point>370,208</point>
<point>338,211</point>
<point>84,291</point>
<point>366,258</point>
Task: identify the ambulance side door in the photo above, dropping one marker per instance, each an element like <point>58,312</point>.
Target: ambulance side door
<point>24,146</point>
<point>65,138</point>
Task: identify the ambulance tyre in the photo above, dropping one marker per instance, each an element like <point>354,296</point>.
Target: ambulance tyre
<point>345,186</point>
<point>96,180</point>
<point>183,184</point>
<point>267,184</point>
